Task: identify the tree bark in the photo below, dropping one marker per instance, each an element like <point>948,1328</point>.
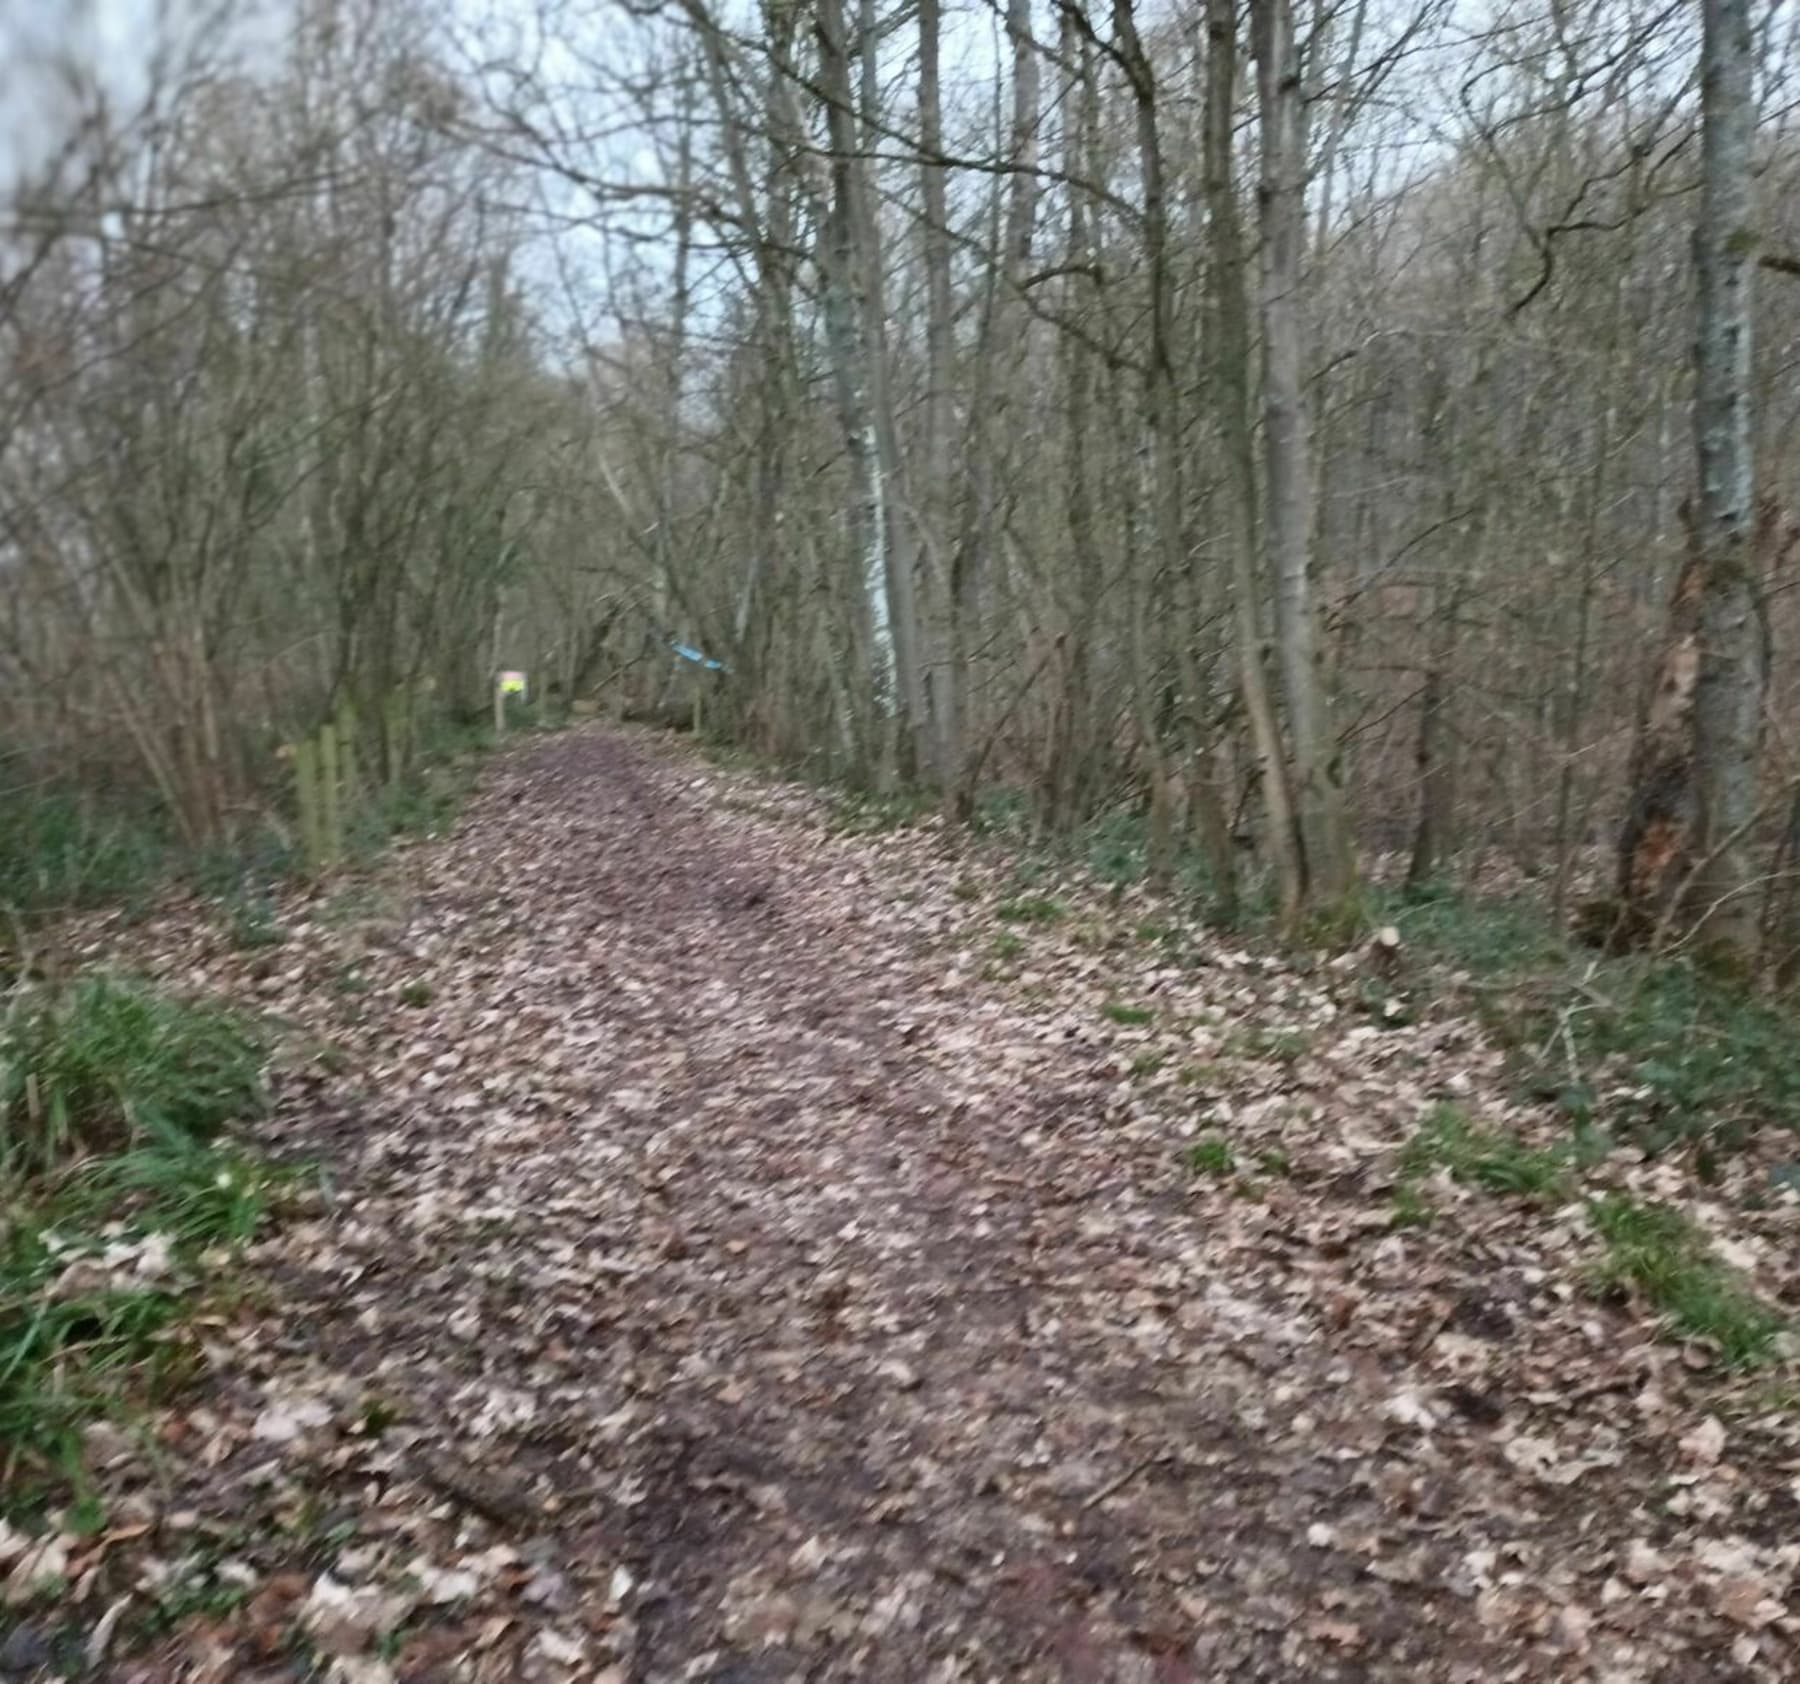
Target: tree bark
<point>851,260</point>
<point>1228,337</point>
<point>1163,425</point>
<point>945,679</point>
<point>1289,491</point>
<point>1728,693</point>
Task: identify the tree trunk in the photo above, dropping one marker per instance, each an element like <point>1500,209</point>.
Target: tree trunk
<point>900,548</point>
<point>945,678</point>
<point>1165,454</point>
<point>1436,760</point>
<point>1288,524</point>
<point>1228,335</point>
<point>1064,773</point>
<point>1728,693</point>
<point>851,263</point>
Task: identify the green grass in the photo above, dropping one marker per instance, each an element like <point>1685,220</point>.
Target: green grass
<point>1651,1250</point>
<point>61,850</point>
<point>1147,1064</point>
<point>1130,1016</point>
<point>1656,1252</point>
<point>1660,1051</point>
<point>1211,1155</point>
<point>114,1180</point>
<point>252,922</point>
<point>1029,909</point>
<point>1282,1046</point>
<point>1411,1209</point>
<point>80,1339</point>
<point>1482,1157</point>
<point>109,1062</point>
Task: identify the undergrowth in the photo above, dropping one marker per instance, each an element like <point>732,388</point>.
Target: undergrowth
<point>1657,1253</point>
<point>63,849</point>
<point>1657,1050</point>
<point>1491,1159</point>
<point>116,1180</point>
<point>108,1063</point>
<point>60,850</point>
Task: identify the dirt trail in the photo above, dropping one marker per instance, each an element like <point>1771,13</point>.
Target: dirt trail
<point>726,1287</point>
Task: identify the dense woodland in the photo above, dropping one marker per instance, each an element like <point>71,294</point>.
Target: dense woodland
<point>1280,421</point>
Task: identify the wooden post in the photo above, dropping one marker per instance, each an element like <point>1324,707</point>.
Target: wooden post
<point>393,754</point>
<point>331,803</point>
<point>306,789</point>
<point>499,708</point>
<point>346,736</point>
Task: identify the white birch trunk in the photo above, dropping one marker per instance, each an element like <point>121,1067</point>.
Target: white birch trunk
<point>1728,698</point>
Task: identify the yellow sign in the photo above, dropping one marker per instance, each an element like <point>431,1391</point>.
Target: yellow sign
<point>512,683</point>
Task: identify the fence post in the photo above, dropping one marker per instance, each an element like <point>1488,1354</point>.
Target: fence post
<point>346,736</point>
<point>306,789</point>
<point>331,805</point>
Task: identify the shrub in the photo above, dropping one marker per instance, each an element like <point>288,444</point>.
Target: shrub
<point>59,851</point>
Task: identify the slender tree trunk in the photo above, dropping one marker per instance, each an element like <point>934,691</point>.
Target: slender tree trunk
<point>946,676</point>
<point>1078,104</point>
<point>1436,760</point>
<point>1163,424</point>
<point>1728,695</point>
<point>1289,488</point>
<point>1005,336</point>
<point>850,265</point>
<point>1228,337</point>
<point>899,543</point>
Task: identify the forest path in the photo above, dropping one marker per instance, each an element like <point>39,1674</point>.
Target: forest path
<point>722,1277</point>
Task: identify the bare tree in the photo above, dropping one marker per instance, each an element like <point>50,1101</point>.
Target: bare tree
<point>1728,695</point>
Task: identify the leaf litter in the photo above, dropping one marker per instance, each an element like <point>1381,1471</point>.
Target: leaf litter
<point>719,1269</point>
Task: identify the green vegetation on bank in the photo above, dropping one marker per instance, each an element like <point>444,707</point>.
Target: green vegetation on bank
<point>119,1185</point>
<point>1657,1253</point>
<point>64,848</point>
<point>1659,1051</point>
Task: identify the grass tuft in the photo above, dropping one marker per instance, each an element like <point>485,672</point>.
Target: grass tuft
<point>1128,1015</point>
<point>1657,1252</point>
<point>1211,1155</point>
<point>1482,1157</point>
<point>113,1187</point>
<point>1029,909</point>
<point>108,1062</point>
